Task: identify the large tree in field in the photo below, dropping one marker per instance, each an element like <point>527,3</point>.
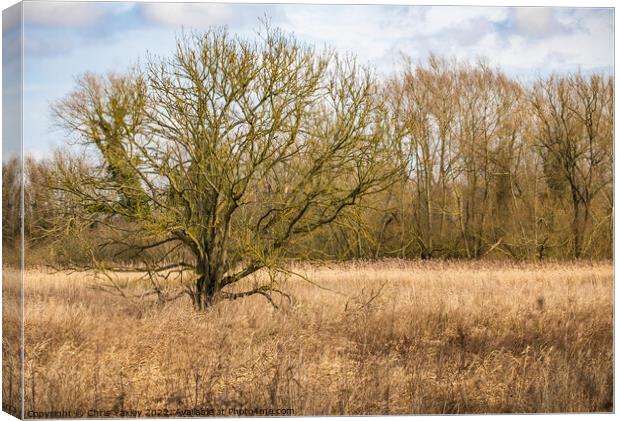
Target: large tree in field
<point>213,161</point>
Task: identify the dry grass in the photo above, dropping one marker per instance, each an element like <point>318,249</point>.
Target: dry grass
<point>437,338</point>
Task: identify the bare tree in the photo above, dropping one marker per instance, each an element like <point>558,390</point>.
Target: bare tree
<point>574,135</point>
<point>223,155</point>
<point>12,182</point>
<point>424,101</point>
<point>461,146</point>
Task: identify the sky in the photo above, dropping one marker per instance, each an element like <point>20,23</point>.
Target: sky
<point>62,40</point>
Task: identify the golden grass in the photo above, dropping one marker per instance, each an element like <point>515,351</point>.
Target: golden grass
<point>437,338</point>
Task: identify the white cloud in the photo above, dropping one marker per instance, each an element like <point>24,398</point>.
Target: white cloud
<point>188,14</point>
<point>68,14</point>
<point>587,46</point>
<point>377,34</point>
<point>341,28</point>
<point>520,40</point>
<point>534,20</point>
<point>441,18</point>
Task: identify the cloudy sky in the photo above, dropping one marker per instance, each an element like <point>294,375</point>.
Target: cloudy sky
<point>64,39</point>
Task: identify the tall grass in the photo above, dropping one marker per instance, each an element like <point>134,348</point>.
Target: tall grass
<point>394,338</point>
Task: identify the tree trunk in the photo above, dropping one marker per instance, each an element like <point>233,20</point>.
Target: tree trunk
<point>578,225</point>
<point>205,293</point>
<point>198,303</point>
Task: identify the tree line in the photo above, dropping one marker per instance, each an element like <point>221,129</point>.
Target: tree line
<point>232,155</point>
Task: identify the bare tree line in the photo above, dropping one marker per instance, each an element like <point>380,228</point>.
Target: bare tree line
<point>497,165</point>
<point>232,156</point>
<point>491,167</point>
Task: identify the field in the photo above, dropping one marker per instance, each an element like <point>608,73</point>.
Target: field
<point>391,337</point>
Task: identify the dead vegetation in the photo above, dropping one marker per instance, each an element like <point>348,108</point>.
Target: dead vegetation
<point>394,338</point>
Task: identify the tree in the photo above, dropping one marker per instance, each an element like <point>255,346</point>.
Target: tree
<point>213,161</point>
<point>461,143</point>
<point>488,137</point>
<point>424,103</point>
<point>574,120</point>
<point>12,191</point>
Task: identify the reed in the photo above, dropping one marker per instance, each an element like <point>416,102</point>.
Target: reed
<point>388,337</point>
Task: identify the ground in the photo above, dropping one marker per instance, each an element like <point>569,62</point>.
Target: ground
<point>390,337</point>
